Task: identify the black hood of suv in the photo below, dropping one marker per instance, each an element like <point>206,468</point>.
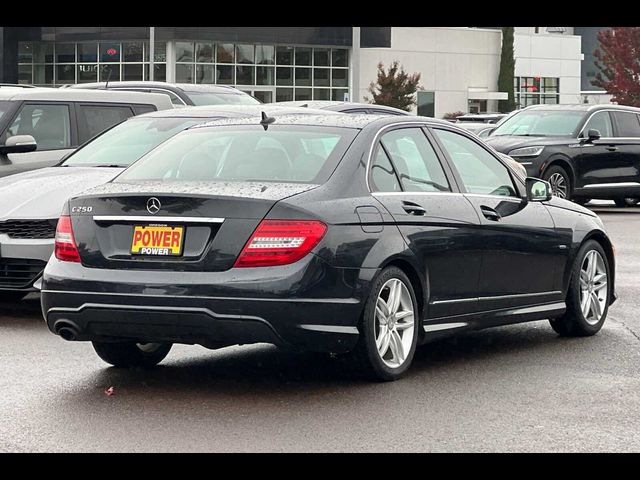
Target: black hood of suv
<point>507,143</point>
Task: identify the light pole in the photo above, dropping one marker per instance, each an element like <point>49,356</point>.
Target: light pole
<point>152,45</point>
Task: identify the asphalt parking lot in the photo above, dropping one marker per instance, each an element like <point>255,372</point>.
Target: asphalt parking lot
<point>517,388</point>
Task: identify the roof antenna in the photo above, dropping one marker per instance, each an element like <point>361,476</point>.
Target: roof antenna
<point>266,121</point>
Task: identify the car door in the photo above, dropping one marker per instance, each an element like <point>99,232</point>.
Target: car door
<point>597,162</point>
<point>520,247</point>
<point>438,224</point>
<point>627,132</point>
<point>51,125</point>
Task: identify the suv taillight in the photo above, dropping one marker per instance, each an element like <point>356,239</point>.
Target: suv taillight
<point>280,242</point>
<point>65,248</point>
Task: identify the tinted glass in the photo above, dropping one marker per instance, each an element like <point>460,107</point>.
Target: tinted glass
<point>48,124</point>
<point>541,123</point>
<point>600,121</point>
<point>480,171</point>
<point>383,177</point>
<point>95,119</point>
<point>4,108</point>
<point>628,125</point>
<point>415,161</point>
<point>246,153</point>
<point>127,142</point>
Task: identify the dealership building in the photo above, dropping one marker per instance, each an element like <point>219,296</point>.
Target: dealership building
<point>459,65</point>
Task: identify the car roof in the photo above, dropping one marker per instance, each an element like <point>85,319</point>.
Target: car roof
<point>208,111</point>
<point>341,106</point>
<point>582,107</point>
<point>78,95</point>
<point>357,121</point>
<point>187,87</point>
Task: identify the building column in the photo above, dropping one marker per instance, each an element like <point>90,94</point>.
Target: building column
<point>171,61</point>
<point>354,90</point>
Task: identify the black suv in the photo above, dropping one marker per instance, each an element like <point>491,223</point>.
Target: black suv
<point>584,151</point>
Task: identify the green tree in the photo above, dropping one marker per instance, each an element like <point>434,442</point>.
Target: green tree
<point>507,71</point>
<point>394,87</point>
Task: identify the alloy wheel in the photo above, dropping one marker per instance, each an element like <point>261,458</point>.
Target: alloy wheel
<point>558,185</point>
<point>593,287</point>
<point>394,323</point>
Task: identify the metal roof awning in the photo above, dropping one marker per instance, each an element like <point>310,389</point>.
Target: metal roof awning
<point>484,94</point>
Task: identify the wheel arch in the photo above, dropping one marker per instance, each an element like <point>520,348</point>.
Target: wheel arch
<point>418,282</point>
<point>602,239</point>
<point>563,162</point>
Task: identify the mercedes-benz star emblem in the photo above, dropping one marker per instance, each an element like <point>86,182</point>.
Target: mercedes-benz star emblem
<point>153,205</point>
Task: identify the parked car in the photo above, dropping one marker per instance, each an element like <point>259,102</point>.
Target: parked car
<point>347,107</point>
<point>584,151</point>
<point>358,235</point>
<point>181,94</point>
<point>31,202</point>
<point>39,126</point>
<point>480,124</point>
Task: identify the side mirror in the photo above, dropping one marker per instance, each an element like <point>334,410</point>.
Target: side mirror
<point>592,135</point>
<point>538,190</point>
<point>19,144</point>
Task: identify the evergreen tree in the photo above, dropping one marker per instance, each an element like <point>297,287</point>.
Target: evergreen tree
<point>507,71</point>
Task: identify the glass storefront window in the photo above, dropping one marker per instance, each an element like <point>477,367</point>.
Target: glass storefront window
<point>245,54</point>
<point>303,77</point>
<point>110,52</point>
<point>132,52</point>
<point>205,74</point>
<point>43,52</point>
<point>88,52</point>
<point>184,52</point>
<point>284,55</point>
<point>265,75</point>
<point>303,56</point>
<point>265,54</point>
<point>225,74</point>
<point>304,94</point>
<point>321,94</point>
<point>338,94</point>
<point>25,74</point>
<point>225,53</point>
<point>65,52</point>
<point>132,71</point>
<point>205,52</point>
<point>284,76</point>
<point>87,73</point>
<point>245,75</point>
<point>43,74</point>
<point>340,57</point>
<point>184,73</point>
<point>65,74</point>
<point>320,77</point>
<point>159,52</point>
<point>321,57</point>
<point>536,90</point>
<point>284,94</point>
<point>109,72</point>
<point>159,72</point>
<point>25,52</point>
<point>340,77</point>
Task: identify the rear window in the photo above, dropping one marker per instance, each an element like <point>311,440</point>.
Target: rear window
<point>127,142</point>
<point>291,154</point>
<point>628,124</point>
<point>208,98</point>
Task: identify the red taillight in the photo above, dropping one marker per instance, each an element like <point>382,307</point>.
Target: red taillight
<point>66,249</point>
<point>280,242</point>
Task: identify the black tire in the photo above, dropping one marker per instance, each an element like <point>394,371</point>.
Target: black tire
<point>620,202</point>
<point>582,201</point>
<point>365,357</point>
<point>11,297</point>
<point>131,354</point>
<point>573,322</point>
<point>631,202</point>
<point>558,170</point>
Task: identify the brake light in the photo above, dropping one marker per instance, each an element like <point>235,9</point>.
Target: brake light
<point>280,242</point>
<point>65,248</point>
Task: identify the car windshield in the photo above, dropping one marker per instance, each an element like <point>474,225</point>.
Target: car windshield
<point>209,98</point>
<point>128,141</point>
<point>282,153</point>
<point>540,123</point>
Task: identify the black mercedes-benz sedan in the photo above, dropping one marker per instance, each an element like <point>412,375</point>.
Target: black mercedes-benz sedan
<point>362,236</point>
<point>584,151</point>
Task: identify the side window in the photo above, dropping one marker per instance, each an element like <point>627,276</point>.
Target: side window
<point>415,161</point>
<point>383,177</point>
<point>95,119</point>
<point>140,109</point>
<point>628,125</point>
<point>480,171</point>
<point>600,121</point>
<point>49,124</point>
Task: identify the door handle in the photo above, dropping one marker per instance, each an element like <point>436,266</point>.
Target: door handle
<point>490,213</point>
<point>413,208</point>
<point>612,148</point>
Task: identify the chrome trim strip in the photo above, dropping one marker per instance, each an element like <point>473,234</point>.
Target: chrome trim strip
<point>330,329</point>
<point>520,295</point>
<point>501,197</point>
<point>153,219</point>
<point>613,185</point>
<point>449,302</point>
<point>444,326</point>
<point>339,301</point>
<point>394,194</point>
<point>550,307</point>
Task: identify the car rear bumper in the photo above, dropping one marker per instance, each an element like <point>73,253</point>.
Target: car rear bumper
<point>22,262</point>
<point>308,305</point>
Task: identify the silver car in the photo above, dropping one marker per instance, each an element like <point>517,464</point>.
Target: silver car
<point>31,202</point>
<point>39,126</point>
